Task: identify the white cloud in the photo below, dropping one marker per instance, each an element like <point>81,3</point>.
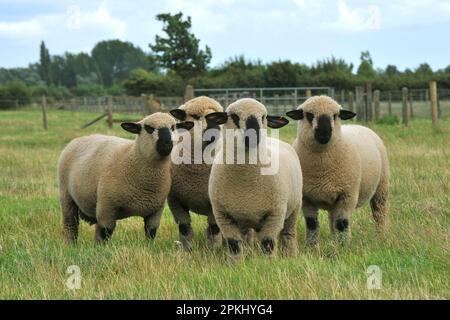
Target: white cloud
<point>21,29</point>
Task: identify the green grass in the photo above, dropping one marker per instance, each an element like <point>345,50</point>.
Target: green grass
<point>413,255</point>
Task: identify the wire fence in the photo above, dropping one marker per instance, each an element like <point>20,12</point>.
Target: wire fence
<point>277,100</point>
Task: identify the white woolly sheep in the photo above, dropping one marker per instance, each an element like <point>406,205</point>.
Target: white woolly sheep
<point>343,166</point>
<point>241,196</point>
<point>103,178</point>
<point>189,190</point>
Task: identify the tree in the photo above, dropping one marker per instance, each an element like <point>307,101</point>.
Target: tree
<point>365,69</point>
<point>391,70</point>
<point>179,51</point>
<point>424,69</point>
<point>115,60</point>
<point>44,66</point>
<point>281,74</point>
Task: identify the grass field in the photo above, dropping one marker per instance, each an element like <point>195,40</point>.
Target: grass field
<point>414,255</point>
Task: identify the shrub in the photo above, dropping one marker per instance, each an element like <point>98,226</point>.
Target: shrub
<point>12,93</point>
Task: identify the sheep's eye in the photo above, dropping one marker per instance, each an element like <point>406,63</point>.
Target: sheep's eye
<point>235,118</point>
<point>309,116</point>
<point>149,129</point>
<point>196,117</point>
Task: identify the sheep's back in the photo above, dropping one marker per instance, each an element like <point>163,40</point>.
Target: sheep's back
<point>83,162</point>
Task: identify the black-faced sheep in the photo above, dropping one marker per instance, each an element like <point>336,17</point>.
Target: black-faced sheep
<point>103,178</point>
<point>241,196</point>
<point>343,166</point>
<point>189,190</point>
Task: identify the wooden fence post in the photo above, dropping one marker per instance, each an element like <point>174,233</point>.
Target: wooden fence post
<point>390,103</point>
<point>350,101</point>
<point>44,112</point>
<point>188,93</point>
<point>411,110</point>
<point>433,100</point>
<point>369,105</point>
<point>150,103</point>
<point>144,105</point>
<point>110,112</point>
<point>360,105</point>
<point>342,97</point>
<point>376,103</point>
<point>308,93</point>
<point>405,106</point>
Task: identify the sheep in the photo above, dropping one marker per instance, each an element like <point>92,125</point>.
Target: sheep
<point>104,178</point>
<point>242,197</point>
<point>189,190</point>
<point>343,167</point>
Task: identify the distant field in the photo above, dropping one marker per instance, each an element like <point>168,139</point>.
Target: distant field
<point>414,255</point>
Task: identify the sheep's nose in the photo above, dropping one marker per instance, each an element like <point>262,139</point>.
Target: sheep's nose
<point>252,132</point>
<point>323,131</point>
<point>164,144</point>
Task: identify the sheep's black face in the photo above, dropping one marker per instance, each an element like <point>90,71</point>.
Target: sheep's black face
<point>164,144</point>
<point>252,132</point>
<point>324,130</point>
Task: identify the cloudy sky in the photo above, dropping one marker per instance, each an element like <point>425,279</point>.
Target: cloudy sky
<point>401,32</point>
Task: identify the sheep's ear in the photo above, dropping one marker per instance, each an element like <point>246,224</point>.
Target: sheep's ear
<point>276,122</point>
<point>345,114</point>
<point>178,114</point>
<point>185,125</point>
<point>217,117</point>
<point>132,127</point>
<point>295,114</point>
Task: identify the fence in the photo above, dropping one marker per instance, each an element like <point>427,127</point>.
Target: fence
<point>277,100</point>
<point>367,103</point>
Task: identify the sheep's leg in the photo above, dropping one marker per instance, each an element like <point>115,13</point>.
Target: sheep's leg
<point>289,235</point>
<point>231,233</point>
<point>340,216</point>
<point>249,236</point>
<point>70,218</point>
<point>332,223</point>
<point>379,204</point>
<point>310,214</point>
<point>270,231</point>
<point>213,233</point>
<point>106,223</point>
<point>183,219</point>
<point>151,224</point>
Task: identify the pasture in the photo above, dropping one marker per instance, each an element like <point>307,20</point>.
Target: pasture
<point>414,255</point>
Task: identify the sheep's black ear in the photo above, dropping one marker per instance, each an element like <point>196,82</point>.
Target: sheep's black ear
<point>178,114</point>
<point>185,125</point>
<point>217,117</point>
<point>346,114</point>
<point>276,122</point>
<point>295,114</point>
<point>132,127</point>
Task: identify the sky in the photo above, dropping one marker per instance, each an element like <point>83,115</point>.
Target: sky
<point>401,32</point>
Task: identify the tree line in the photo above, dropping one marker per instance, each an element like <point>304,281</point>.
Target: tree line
<point>175,59</point>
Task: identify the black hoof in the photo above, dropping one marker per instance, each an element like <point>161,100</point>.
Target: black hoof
<point>342,225</point>
<point>233,246</point>
<point>267,245</point>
